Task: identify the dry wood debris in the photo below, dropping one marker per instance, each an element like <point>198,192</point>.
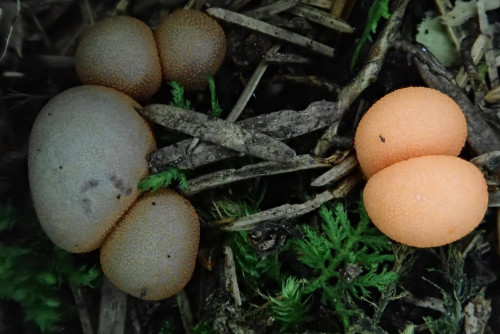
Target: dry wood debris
<point>281,125</point>
<point>218,131</point>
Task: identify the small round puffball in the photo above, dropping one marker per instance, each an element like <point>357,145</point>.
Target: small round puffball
<point>406,123</point>
<point>427,201</point>
<point>191,44</point>
<point>152,252</point>
<point>120,52</point>
<point>86,155</point>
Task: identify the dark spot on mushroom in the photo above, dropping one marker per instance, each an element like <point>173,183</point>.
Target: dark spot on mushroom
<point>426,31</point>
<point>382,139</point>
<point>168,255</point>
<point>89,184</point>
<point>60,167</point>
<point>144,291</point>
<point>118,196</point>
<point>49,114</point>
<point>154,203</point>
<point>119,184</point>
<point>86,205</point>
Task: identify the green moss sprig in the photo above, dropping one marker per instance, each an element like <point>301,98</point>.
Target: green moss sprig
<point>379,9</point>
<point>32,271</point>
<point>348,260</point>
<point>164,179</point>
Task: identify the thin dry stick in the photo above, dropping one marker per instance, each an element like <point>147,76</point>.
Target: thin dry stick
<point>477,84</point>
<point>250,87</point>
<point>489,53</point>
<point>336,172</point>
<point>286,211</point>
<point>271,9</point>
<point>289,211</point>
<point>86,12</point>
<point>231,278</point>
<point>245,95</point>
<point>218,131</point>
<point>454,33</point>
<point>87,327</point>
<point>325,4</point>
<point>367,74</point>
<point>285,58</point>
<point>267,168</point>
<point>480,136</point>
<point>477,52</point>
<point>185,311</point>
<point>269,29</point>
<point>338,7</point>
<point>284,124</point>
<point>11,28</point>
<point>310,80</point>
<point>113,309</point>
<point>321,17</point>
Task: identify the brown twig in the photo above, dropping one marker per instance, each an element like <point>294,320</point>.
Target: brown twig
<point>321,17</point>
<point>336,172</point>
<point>266,168</point>
<point>185,311</point>
<point>310,80</point>
<point>284,124</point>
<point>289,211</point>
<point>271,9</point>
<point>83,312</point>
<point>112,313</point>
<point>218,131</point>
<point>366,75</point>
<point>269,29</point>
<point>250,86</point>
<point>285,58</point>
<point>325,4</point>
<point>232,285</point>
<point>481,136</point>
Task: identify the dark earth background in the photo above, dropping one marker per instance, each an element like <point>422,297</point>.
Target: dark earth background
<point>38,64</point>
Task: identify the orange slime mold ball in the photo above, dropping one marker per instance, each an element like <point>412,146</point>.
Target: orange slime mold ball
<point>407,123</point>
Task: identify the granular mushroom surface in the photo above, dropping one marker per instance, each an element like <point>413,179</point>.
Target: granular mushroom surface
<point>191,44</point>
<point>120,52</point>
<point>151,254</point>
<point>427,201</point>
<point>86,155</point>
<point>406,123</point>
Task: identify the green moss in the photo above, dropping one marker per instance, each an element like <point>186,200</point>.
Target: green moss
<point>347,260</point>
<point>32,271</point>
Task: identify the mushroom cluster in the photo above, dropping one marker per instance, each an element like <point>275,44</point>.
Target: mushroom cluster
<point>123,53</point>
<point>87,153</point>
<point>419,192</point>
<point>88,147</point>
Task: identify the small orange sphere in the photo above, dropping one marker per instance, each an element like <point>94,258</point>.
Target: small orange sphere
<point>427,201</point>
<point>407,123</point>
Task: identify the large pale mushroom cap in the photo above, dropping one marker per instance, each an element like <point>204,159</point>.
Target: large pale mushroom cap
<point>87,153</point>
